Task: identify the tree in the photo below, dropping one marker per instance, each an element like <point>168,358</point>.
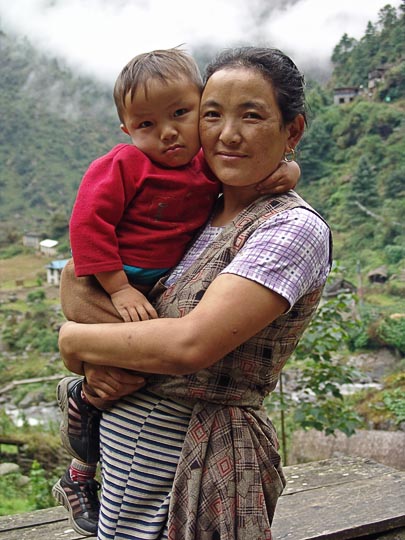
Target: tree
<point>320,372</point>
<point>390,36</point>
<point>343,49</point>
<point>341,59</point>
<point>395,184</point>
<point>314,152</point>
<point>363,193</point>
<point>387,17</point>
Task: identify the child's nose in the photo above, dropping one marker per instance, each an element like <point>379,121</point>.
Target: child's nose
<point>169,132</point>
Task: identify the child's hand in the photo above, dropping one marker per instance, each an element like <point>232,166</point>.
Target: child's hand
<point>284,178</point>
<point>132,305</point>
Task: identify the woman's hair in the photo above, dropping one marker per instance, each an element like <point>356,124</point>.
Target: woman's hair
<point>287,81</point>
<point>167,65</point>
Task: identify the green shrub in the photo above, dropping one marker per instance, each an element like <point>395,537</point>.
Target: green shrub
<point>36,296</point>
<point>394,253</point>
<point>394,400</point>
<point>11,251</point>
<point>392,333</point>
<point>19,494</point>
<point>40,488</point>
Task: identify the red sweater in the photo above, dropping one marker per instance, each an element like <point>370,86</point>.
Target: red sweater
<point>129,210</point>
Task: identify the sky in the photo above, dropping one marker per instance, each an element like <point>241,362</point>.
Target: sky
<point>98,37</point>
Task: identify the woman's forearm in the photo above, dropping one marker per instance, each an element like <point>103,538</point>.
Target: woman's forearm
<point>156,348</point>
<point>232,310</point>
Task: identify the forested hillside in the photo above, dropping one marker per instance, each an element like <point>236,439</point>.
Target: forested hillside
<point>52,125</point>
<point>352,156</point>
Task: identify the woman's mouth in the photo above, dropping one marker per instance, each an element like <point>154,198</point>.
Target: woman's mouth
<point>230,155</point>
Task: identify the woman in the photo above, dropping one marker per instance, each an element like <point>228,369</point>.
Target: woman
<point>193,455</point>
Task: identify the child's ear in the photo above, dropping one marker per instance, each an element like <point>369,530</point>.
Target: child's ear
<point>124,129</point>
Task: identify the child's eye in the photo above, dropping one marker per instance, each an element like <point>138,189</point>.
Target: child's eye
<point>145,124</point>
<point>180,112</point>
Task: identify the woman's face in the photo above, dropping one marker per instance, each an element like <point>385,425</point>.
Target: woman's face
<point>241,127</point>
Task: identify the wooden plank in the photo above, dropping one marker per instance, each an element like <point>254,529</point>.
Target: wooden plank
<point>48,524</point>
<point>314,474</point>
<point>37,517</point>
<point>52,531</point>
<point>336,499</point>
<point>342,507</point>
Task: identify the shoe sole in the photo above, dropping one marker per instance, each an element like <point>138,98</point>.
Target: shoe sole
<point>60,495</point>
<point>63,402</point>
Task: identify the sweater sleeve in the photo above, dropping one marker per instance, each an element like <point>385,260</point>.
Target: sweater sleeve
<point>106,189</point>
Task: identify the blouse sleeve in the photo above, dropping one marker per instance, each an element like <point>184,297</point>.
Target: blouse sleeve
<point>289,254</point>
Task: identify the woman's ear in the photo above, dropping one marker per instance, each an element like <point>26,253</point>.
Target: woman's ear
<point>296,130</point>
<point>124,129</point>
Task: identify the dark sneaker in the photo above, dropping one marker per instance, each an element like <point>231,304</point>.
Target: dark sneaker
<point>79,428</point>
<point>81,501</point>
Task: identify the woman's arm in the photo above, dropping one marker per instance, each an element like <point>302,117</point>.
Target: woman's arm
<point>232,310</point>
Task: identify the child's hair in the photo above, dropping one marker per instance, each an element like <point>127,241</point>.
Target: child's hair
<point>164,64</point>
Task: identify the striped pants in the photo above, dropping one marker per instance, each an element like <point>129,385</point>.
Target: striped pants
<point>141,440</point>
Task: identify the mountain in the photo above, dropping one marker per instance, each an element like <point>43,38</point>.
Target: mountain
<point>54,123</point>
<point>353,155</point>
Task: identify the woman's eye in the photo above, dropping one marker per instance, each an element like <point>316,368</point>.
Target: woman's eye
<point>254,115</point>
<point>180,112</point>
<point>211,114</point>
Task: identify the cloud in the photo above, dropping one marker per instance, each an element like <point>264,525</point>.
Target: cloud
<point>100,36</point>
<point>311,30</point>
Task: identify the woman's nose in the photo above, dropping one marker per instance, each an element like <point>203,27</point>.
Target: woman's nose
<point>230,134</point>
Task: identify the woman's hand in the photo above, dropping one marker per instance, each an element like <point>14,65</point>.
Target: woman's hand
<point>112,383</point>
<point>284,178</point>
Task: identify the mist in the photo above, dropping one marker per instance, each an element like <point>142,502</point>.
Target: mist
<point>98,37</point>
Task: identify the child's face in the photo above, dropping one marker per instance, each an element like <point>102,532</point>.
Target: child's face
<point>162,121</point>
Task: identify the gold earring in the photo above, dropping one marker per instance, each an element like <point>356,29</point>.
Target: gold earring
<point>290,155</point>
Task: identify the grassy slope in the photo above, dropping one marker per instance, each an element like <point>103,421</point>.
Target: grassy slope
<point>27,267</point>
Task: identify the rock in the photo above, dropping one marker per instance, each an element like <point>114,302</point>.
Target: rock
<point>32,398</point>
<point>375,365</point>
<point>386,447</point>
<point>22,480</point>
<point>8,468</point>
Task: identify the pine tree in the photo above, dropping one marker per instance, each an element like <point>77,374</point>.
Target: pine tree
<point>363,197</point>
<point>395,184</point>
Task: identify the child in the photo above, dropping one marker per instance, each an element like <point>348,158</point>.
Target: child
<point>136,211</point>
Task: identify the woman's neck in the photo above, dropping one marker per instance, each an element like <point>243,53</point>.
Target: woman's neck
<point>234,200</point>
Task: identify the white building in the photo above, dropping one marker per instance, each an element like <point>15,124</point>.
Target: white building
<point>48,247</point>
<point>345,94</point>
<point>54,270</point>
